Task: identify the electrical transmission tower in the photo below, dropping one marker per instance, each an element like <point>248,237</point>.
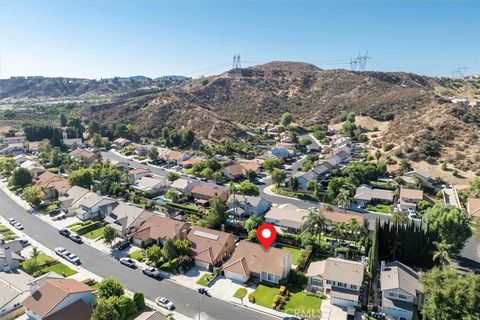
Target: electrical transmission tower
<point>359,63</point>
<point>459,73</point>
<point>236,61</point>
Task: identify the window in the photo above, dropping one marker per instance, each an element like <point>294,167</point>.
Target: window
<point>401,296</point>
<point>316,282</point>
<point>354,287</point>
<point>391,294</point>
<point>270,277</point>
<point>341,284</point>
<point>329,282</point>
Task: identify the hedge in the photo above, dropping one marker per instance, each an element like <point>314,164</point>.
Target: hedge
<point>90,227</point>
<point>182,207</point>
<point>251,297</point>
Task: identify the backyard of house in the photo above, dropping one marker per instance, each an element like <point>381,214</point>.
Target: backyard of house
<point>382,208</point>
<point>296,253</point>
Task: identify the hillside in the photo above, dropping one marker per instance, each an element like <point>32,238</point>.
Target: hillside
<point>36,87</point>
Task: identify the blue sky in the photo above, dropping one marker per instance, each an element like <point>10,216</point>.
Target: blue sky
<point>93,39</point>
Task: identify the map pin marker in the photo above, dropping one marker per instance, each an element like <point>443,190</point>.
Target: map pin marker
<point>266,234</point>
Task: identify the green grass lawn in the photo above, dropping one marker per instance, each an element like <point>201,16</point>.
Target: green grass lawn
<point>382,208</point>
<point>94,234</point>
<point>59,268</point>
<point>42,259</point>
<point>296,253</point>
<point>300,301</point>
<point>264,295</point>
<point>78,223</point>
<point>240,293</point>
<point>205,279</point>
<point>76,226</point>
<point>137,255</point>
<point>7,233</point>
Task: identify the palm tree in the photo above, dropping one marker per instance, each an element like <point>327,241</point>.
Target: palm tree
<point>314,221</point>
<point>339,230</point>
<point>344,199</point>
<point>35,254</point>
<point>355,229</point>
<point>232,188</point>
<point>442,253</point>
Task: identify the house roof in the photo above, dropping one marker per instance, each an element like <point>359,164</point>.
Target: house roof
<point>251,165</point>
<point>343,154</point>
<point>322,168</point>
<point>368,193</point>
<point>51,180</point>
<point>82,153</point>
<point>288,214</point>
<point>316,268</point>
<point>208,244</point>
<point>180,183</point>
<point>14,245</point>
<point>473,207</point>
<point>124,214</point>
<point>345,294</point>
<point>396,275</point>
<point>250,200</point>
<point>7,293</point>
<point>14,255</point>
<point>93,200</point>
<point>398,304</point>
<point>79,310</point>
<point>74,194</point>
<point>148,182</point>
<point>342,270</point>
<point>139,171</point>
<point>309,175</point>
<point>411,193</point>
<point>174,155</point>
<point>235,169</point>
<point>191,161</point>
<point>51,293</point>
<point>334,216</point>
<point>251,257</point>
<point>156,227</point>
<point>210,192</point>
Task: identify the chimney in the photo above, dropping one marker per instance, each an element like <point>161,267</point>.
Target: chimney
<point>178,235</point>
<point>382,265</point>
<point>33,288</point>
<point>184,234</point>
<point>8,256</point>
<point>99,193</point>
<point>222,227</point>
<point>285,264</point>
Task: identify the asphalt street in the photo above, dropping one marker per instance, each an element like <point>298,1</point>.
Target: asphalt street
<point>105,265</point>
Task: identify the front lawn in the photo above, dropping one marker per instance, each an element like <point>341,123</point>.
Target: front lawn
<point>240,293</point>
<point>264,295</point>
<point>7,233</point>
<point>137,255</point>
<point>94,234</point>
<point>299,301</point>
<point>44,264</point>
<point>296,253</point>
<point>382,208</point>
<point>205,279</point>
<point>58,268</point>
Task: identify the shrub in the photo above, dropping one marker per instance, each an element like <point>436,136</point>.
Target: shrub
<point>283,281</point>
<point>139,300</point>
<point>281,291</point>
<point>251,297</point>
<point>89,227</point>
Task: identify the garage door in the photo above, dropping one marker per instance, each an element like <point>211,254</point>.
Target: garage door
<point>236,277</point>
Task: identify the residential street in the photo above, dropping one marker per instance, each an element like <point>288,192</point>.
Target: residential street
<point>185,299</point>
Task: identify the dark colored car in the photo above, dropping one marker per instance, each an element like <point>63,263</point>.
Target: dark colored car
<point>53,213</point>
<point>124,245</point>
<point>64,232</point>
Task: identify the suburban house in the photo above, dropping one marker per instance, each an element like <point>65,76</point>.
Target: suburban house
<point>59,299</point>
<point>155,229</point>
<point>120,165</point>
<point>409,198</point>
<point>34,168</point>
<point>401,290</point>
<point>250,260</point>
<point>239,170</point>
<point>120,143</point>
<point>9,260</point>
<point>210,247</point>
<point>139,173</point>
<point>280,152</point>
<point>252,165</point>
<point>341,279</point>
<point>322,169</point>
<point>365,195</point>
<point>341,217</point>
<point>52,185</point>
<point>190,162</point>
<point>12,149</point>
<point>95,207</point>
<point>334,160</point>
<point>150,185</point>
<point>473,207</point>
<point>124,216</point>
<point>17,138</point>
<point>340,142</point>
<point>13,290</point>
<point>250,205</point>
<point>69,201</point>
<point>182,185</point>
<point>420,175</point>
<point>304,177</point>
<point>203,192</point>
<point>84,155</point>
<point>344,153</point>
<point>21,158</point>
<point>176,156</point>
<point>287,217</point>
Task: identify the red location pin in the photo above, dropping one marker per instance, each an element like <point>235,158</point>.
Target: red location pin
<point>266,234</point>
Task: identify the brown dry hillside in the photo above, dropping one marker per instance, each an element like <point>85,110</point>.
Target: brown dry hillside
<point>214,107</point>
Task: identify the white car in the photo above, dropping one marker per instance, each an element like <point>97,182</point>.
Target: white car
<point>128,262</point>
<point>12,221</point>
<point>151,272</point>
<point>61,251</point>
<point>164,303</point>
<point>18,225</point>
<point>72,258</point>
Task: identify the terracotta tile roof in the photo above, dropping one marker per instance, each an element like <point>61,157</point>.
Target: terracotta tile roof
<point>473,207</point>
<point>208,245</point>
<point>236,170</point>
<point>50,180</point>
<point>251,257</point>
<point>411,194</point>
<point>209,192</point>
<point>173,155</point>
<point>79,310</point>
<point>156,227</point>
<point>51,293</point>
<point>82,153</point>
<point>139,171</point>
<point>334,216</point>
<point>251,165</point>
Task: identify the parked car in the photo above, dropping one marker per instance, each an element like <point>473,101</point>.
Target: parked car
<point>164,303</point>
<point>76,238</point>
<point>53,213</point>
<point>18,225</point>
<point>24,242</point>
<point>12,221</point>
<point>64,232</point>
<point>151,272</point>
<point>72,258</point>
<point>128,262</point>
<point>122,246</point>
<point>61,251</point>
